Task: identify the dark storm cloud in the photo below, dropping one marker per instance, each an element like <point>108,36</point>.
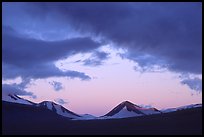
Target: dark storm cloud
<point>168,31</point>
<point>16,89</point>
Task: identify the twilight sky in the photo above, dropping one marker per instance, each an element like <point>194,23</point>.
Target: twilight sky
<point>89,57</point>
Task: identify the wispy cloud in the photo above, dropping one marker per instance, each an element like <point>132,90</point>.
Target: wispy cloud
<point>97,58</point>
<point>56,85</point>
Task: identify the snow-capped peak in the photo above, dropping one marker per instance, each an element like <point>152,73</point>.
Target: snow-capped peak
<point>128,109</point>
<point>58,109</point>
<point>16,99</point>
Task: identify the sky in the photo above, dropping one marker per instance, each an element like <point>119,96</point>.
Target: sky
<point>89,57</point>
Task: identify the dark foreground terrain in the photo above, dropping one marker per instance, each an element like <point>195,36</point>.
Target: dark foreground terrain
<point>24,119</point>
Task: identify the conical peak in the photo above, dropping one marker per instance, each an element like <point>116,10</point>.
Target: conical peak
<point>128,103</point>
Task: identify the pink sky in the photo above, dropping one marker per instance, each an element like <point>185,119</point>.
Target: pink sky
<point>112,83</point>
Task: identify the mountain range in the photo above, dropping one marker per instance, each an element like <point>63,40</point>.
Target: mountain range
<point>23,117</point>
<point>123,110</point>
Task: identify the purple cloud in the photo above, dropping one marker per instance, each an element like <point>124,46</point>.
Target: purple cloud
<point>56,85</point>
<point>194,84</point>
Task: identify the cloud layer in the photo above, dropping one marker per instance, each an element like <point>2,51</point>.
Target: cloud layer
<point>35,58</point>
<point>165,35</point>
<point>168,31</point>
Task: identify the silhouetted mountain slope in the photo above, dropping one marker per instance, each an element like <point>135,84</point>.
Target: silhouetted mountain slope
<point>25,119</point>
<point>56,108</point>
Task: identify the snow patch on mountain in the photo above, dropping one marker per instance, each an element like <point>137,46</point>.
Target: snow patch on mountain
<point>58,109</point>
<point>127,109</point>
<point>125,113</point>
<point>15,99</point>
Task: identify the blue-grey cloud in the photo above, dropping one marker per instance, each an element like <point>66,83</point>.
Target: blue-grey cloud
<point>194,84</point>
<point>18,16</point>
<point>168,31</point>
<point>30,58</point>
<point>16,89</point>
<point>41,51</point>
<point>146,62</point>
<point>97,58</point>
<point>56,85</point>
<point>61,101</point>
<point>39,71</point>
